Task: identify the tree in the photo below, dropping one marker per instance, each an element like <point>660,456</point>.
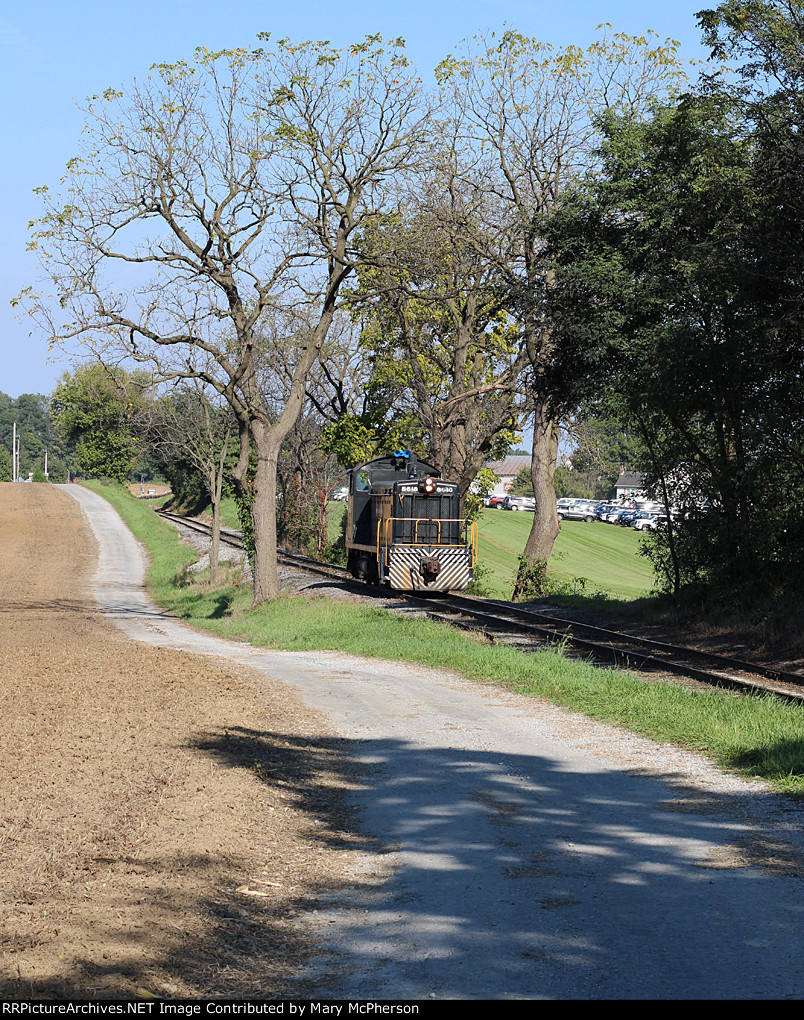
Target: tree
<point>434,322</point>
<point>92,408</point>
<point>532,114</point>
<point>603,446</point>
<point>767,38</point>
<point>188,426</point>
<point>225,187</point>
<point>35,434</point>
<point>705,353</point>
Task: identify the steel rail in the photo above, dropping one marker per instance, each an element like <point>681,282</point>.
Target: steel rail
<point>497,618</point>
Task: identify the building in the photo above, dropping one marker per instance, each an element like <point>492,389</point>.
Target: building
<point>507,470</point>
<point>629,485</point>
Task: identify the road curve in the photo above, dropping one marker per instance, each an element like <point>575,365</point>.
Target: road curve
<point>536,855</point>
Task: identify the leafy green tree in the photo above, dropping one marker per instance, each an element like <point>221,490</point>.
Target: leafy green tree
<point>442,350</point>
<point>765,39</point>
<point>94,409</point>
<point>573,484</point>
<point>704,354</point>
<point>603,446</point>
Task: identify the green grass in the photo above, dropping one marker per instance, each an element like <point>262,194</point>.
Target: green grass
<point>606,556</point>
<point>754,736</point>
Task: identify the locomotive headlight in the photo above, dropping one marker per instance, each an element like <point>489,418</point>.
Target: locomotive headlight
<point>427,485</point>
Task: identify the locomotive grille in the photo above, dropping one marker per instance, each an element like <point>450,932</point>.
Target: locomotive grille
<point>420,510</point>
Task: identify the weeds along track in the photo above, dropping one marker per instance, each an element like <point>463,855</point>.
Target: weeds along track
<point>532,628</point>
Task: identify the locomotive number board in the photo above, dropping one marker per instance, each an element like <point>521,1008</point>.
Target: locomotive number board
<point>441,489</point>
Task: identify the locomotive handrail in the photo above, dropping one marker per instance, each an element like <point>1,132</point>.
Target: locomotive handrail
<point>467,525</point>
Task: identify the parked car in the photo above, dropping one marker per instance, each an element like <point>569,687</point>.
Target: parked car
<point>495,502</point>
<point>340,495</point>
<point>627,517</point>
<point>604,509</point>
<point>651,522</point>
<point>519,503</point>
<point>576,512</point>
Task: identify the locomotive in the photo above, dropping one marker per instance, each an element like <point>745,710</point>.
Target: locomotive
<point>404,526</point>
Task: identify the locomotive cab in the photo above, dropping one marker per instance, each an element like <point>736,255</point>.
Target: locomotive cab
<point>404,526</point>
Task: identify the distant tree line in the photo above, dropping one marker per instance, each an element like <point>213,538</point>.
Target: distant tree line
<point>36,435</point>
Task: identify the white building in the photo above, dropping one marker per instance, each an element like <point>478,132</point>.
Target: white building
<point>507,470</point>
<point>629,485</point>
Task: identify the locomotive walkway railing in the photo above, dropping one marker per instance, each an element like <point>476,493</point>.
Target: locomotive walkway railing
<point>388,535</point>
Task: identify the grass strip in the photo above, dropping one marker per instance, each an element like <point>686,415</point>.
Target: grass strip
<point>754,736</point>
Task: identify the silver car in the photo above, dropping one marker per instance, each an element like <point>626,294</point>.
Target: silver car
<point>576,512</point>
<point>520,503</point>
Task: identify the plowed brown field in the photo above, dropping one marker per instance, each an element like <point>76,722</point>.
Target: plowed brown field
<point>163,819</point>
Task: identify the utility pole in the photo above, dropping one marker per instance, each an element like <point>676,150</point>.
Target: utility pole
<point>14,453</point>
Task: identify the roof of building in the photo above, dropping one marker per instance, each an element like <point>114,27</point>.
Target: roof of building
<point>510,467</point>
<point>630,480</point>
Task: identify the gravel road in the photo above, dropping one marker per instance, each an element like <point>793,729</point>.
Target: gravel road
<point>529,852</point>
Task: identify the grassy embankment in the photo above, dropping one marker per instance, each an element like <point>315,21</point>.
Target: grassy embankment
<point>755,736</point>
<point>605,556</point>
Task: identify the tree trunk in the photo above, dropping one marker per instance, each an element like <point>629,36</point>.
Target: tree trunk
<point>545,527</point>
<point>267,443</point>
<point>215,544</point>
<point>216,491</point>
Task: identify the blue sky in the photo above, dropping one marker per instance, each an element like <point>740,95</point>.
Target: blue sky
<point>53,54</point>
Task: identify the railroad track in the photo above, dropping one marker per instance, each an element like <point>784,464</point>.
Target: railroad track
<point>503,622</point>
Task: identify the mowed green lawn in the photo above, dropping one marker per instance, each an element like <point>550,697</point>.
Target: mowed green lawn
<point>605,554</point>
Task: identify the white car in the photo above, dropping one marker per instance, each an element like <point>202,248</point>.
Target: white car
<point>650,522</point>
<point>340,495</point>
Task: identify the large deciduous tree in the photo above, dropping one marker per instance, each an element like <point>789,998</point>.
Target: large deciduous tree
<point>434,321</point>
<point>95,408</point>
<point>211,193</point>
<point>531,112</point>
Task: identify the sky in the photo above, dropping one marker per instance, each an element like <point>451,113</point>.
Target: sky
<point>58,52</point>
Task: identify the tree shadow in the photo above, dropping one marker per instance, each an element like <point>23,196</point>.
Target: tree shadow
<point>515,876</point>
<point>774,758</point>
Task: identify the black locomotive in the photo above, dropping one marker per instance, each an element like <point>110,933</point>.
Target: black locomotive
<point>404,526</point>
